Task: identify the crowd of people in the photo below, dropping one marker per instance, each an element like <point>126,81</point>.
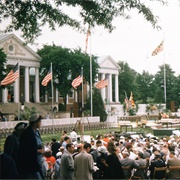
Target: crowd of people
<point>103,157</point>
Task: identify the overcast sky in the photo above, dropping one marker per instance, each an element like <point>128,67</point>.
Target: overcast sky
<point>133,40</point>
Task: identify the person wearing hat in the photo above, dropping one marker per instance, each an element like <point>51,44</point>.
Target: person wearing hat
<point>31,150</point>
<point>11,146</point>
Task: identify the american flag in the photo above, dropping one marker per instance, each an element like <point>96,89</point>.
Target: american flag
<point>12,76</point>
<point>102,84</point>
<point>158,49</point>
<point>47,78</point>
<point>77,81</point>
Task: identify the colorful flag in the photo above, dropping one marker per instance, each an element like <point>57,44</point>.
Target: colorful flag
<point>102,84</point>
<point>158,49</point>
<point>47,78</point>
<point>77,81</point>
<point>126,101</point>
<point>87,37</point>
<point>12,76</point>
<point>131,100</point>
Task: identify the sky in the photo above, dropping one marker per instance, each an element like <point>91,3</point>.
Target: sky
<point>132,41</point>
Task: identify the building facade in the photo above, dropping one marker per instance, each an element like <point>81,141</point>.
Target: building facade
<point>27,87</point>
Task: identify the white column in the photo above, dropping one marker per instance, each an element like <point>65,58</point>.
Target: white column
<point>76,97</point>
<point>26,79</point>
<point>37,85</point>
<point>116,88</point>
<point>16,90</point>
<point>46,96</point>
<point>4,95</point>
<point>110,88</point>
<point>103,90</point>
<point>5,92</point>
<point>57,96</point>
<point>67,99</point>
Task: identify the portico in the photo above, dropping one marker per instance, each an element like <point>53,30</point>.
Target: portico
<point>26,87</point>
<point>109,69</point>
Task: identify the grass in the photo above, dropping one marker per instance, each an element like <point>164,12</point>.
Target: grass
<point>47,137</point>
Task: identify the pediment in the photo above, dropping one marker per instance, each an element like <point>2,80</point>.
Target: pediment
<point>107,62</point>
<point>16,49</point>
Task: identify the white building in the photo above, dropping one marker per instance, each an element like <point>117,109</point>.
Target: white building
<point>27,86</point>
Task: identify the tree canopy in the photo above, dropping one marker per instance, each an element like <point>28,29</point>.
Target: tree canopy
<point>30,16</point>
<point>3,60</point>
<point>66,66</point>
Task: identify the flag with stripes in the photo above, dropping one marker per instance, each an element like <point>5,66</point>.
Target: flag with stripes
<point>102,83</point>
<point>47,78</point>
<point>87,37</point>
<point>77,81</point>
<point>12,76</point>
<point>158,49</point>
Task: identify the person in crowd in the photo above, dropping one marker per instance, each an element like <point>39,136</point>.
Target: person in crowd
<point>157,162</point>
<point>66,141</point>
<point>113,166</point>
<point>173,161</point>
<point>4,118</point>
<point>103,153</point>
<point>57,166</point>
<point>84,164</point>
<point>106,140</point>
<point>67,163</point>
<point>31,150</point>
<point>95,152</point>
<point>11,145</point>
<point>8,168</point>
<point>50,159</point>
<point>47,116</point>
<point>55,147</point>
<point>73,135</point>
<point>78,150</point>
<point>126,161</point>
<point>141,162</point>
<point>64,134</point>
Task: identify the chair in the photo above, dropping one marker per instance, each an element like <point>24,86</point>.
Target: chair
<point>160,173</point>
<point>174,172</point>
<point>141,174</point>
<point>127,171</point>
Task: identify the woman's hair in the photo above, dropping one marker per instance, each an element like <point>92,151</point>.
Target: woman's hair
<point>111,147</point>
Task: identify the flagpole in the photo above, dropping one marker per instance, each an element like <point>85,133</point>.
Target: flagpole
<point>52,89</point>
<point>164,81</point>
<point>91,77</point>
<point>82,89</point>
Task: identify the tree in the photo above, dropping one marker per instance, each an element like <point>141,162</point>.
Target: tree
<point>98,105</point>
<point>2,63</point>
<point>126,81</point>
<point>170,82</point>
<point>144,83</point>
<point>30,16</point>
<point>66,66</point>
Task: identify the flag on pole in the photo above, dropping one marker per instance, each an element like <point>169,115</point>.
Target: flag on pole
<point>87,37</point>
<point>77,81</point>
<point>131,100</point>
<point>126,101</point>
<point>102,83</point>
<point>47,78</point>
<point>11,76</point>
<point>158,49</point>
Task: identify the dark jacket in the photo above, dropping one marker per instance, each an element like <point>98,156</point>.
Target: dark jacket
<point>114,170</point>
<point>157,163</point>
<point>28,156</point>
<point>11,146</point>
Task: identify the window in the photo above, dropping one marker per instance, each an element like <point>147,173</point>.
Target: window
<point>11,48</point>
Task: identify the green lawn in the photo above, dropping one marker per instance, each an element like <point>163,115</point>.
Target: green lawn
<point>47,137</point>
